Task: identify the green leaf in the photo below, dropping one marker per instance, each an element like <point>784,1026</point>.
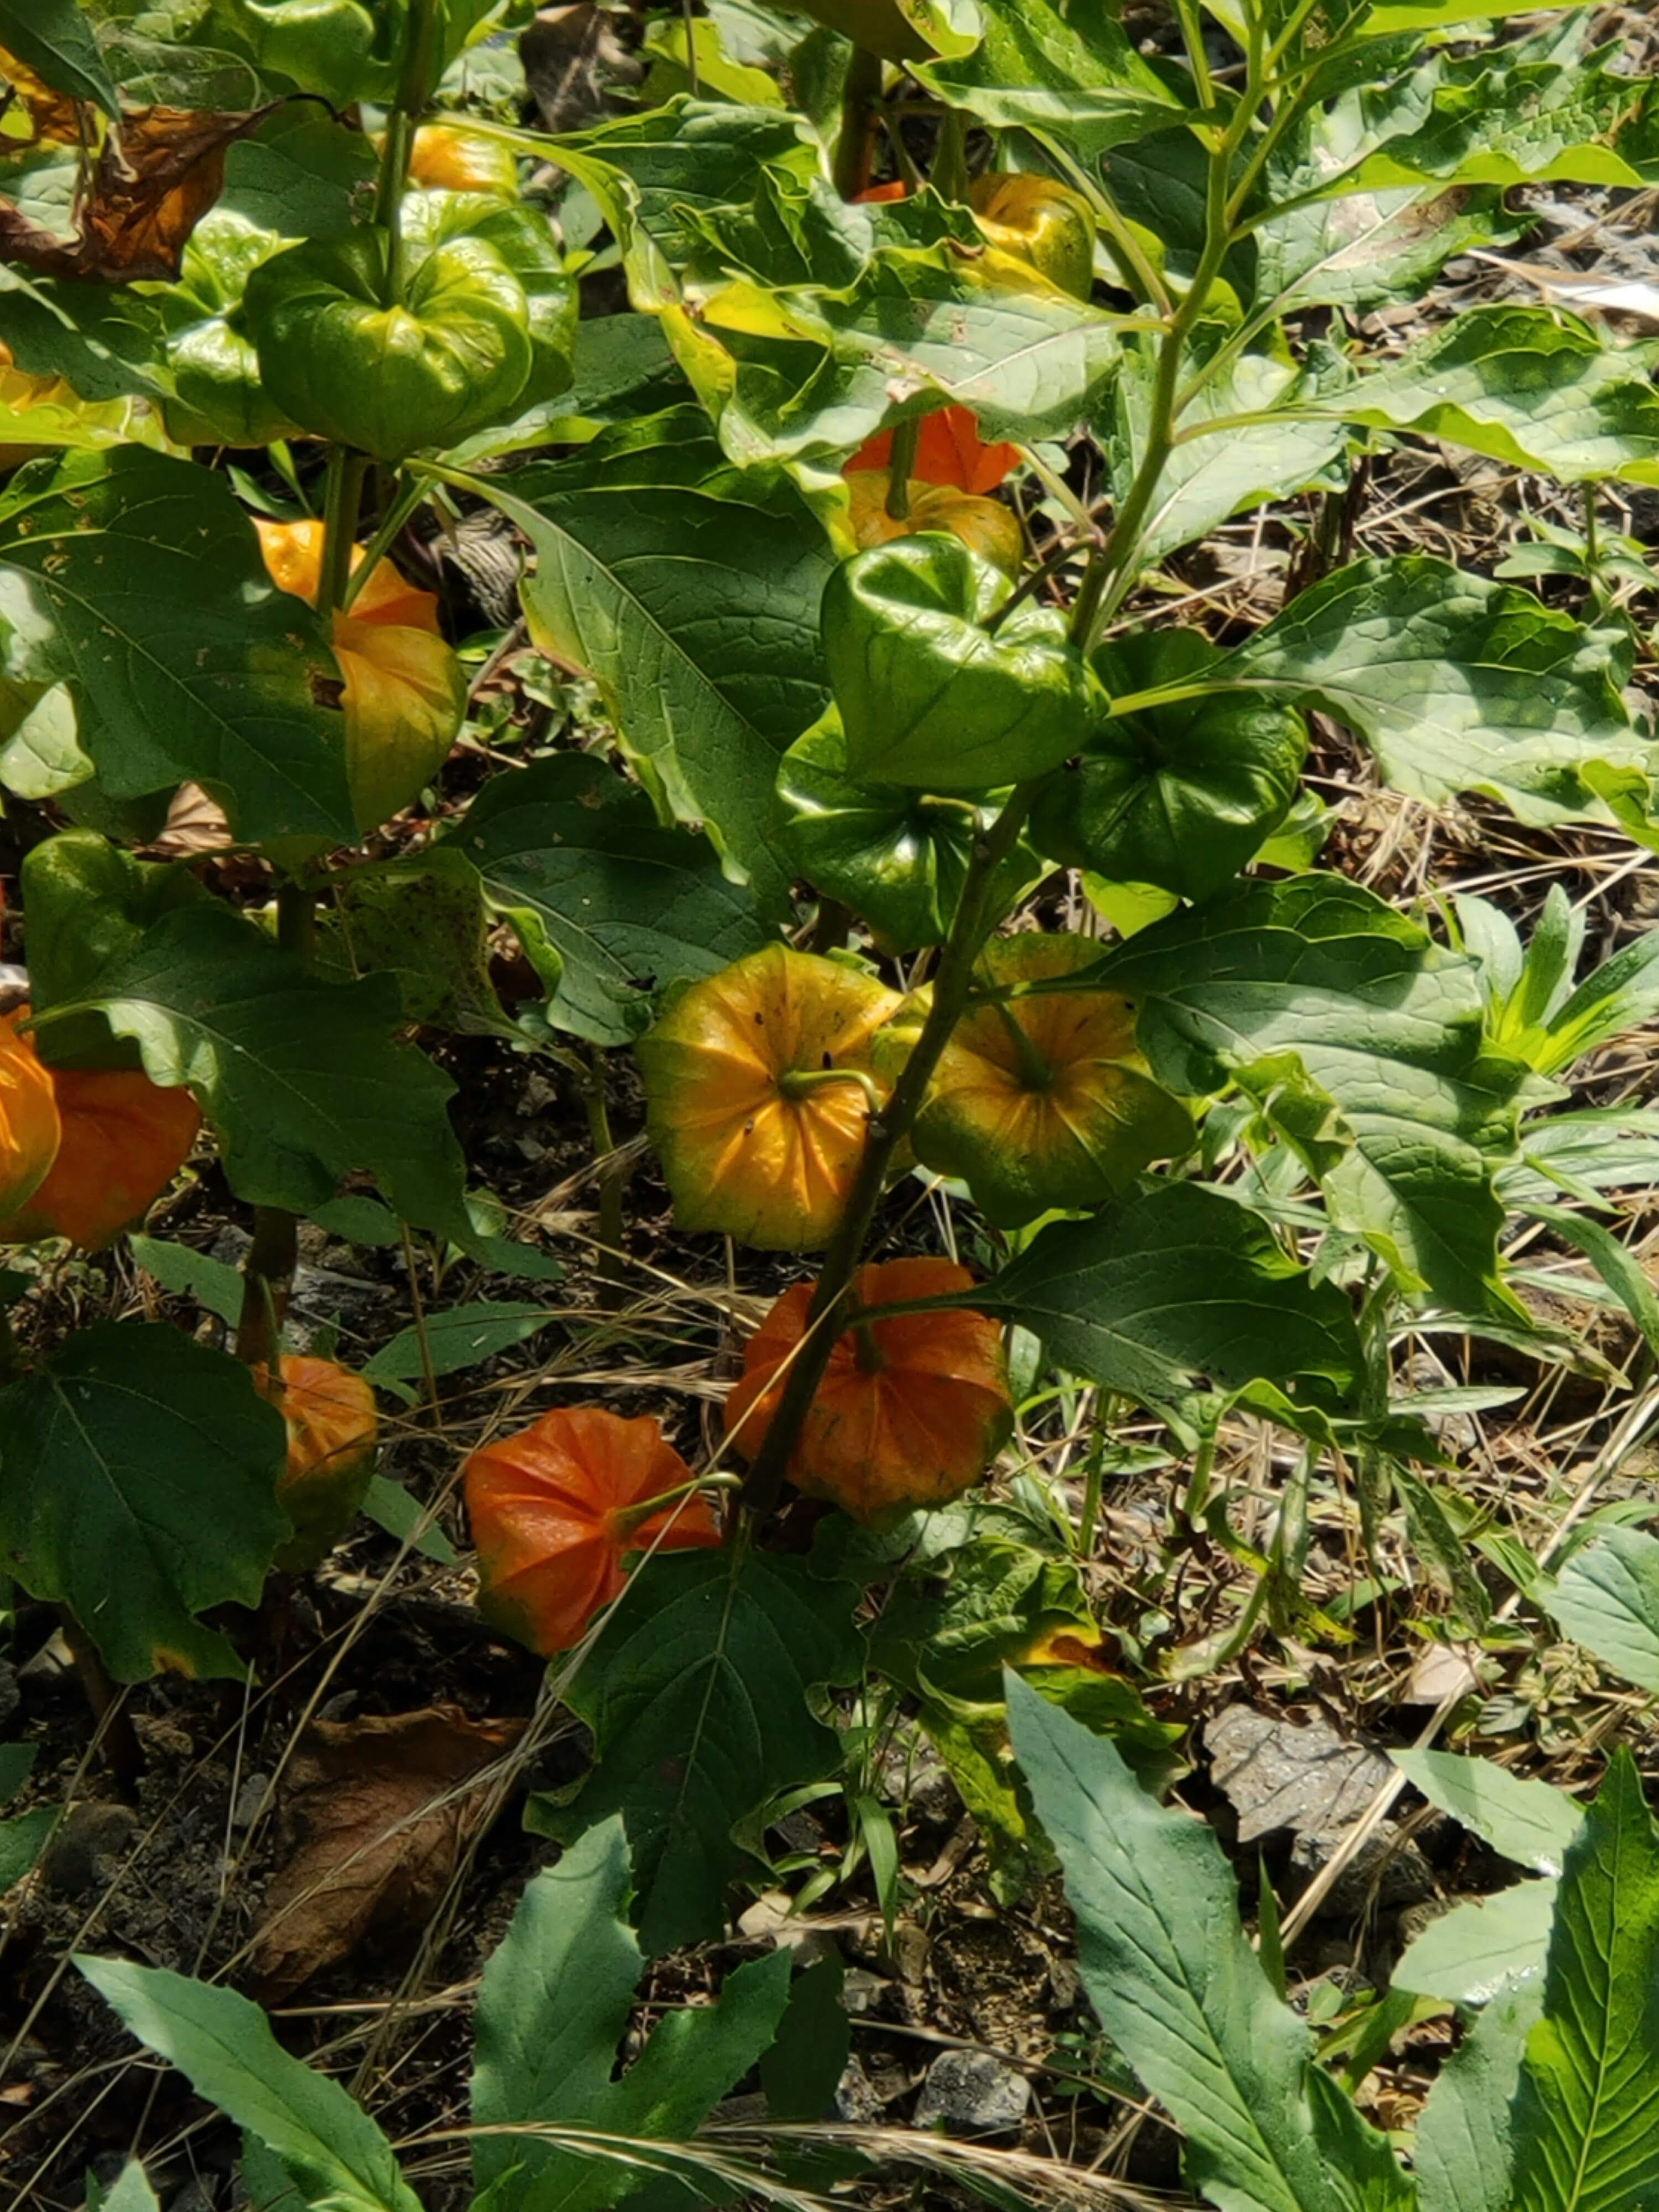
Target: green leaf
<point>136,580</point>
<point>697,1694</point>
<point>130,2191</point>
<point>1178,1989</point>
<point>223,2046</point>
<point>1364,1044</point>
<point>1529,386</point>
<point>459,1338</point>
<point>552,2006</point>
<point>1531,1822</point>
<point>302,1080</point>
<point>1620,1268</point>
<point>688,591</point>
<point>1457,684</point>
<point>391,1507</point>
<point>1464,2154</point>
<point>422,918</point>
<point>800,2074</point>
<point>198,1275</point>
<point>1478,1949</point>
<point>16,1765</point>
<point>929,696</point>
<point>1172,1287</point>
<point>1226,461</point>
<point>138,1488</point>
<point>1077,78</point>
<point>553,2003</point>
<point>609,905</point>
<point>22,1839</point>
<point>89,905</point>
<point>1621,994</point>
<point>55,39</point>
<point>1583,2121</point>
<point>898,858</point>
<point>1606,1598</point>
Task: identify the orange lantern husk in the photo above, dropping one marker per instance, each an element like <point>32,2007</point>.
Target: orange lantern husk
<point>985,527</point>
<point>333,1427</point>
<point>123,1139</point>
<point>404,692</point>
<point>911,1411</point>
<point>758,1087</point>
<point>949,451</point>
<point>445,160</point>
<point>555,1509</point>
<point>31,1125</point>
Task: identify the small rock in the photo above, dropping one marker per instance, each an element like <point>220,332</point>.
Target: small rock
<point>1278,1775</point>
<point>800,1832</point>
<point>249,1798</point>
<point>861,1991</point>
<point>971,2093</point>
<point>909,1947</point>
<point>915,1777</point>
<point>1064,1985</point>
<point>1384,1869</point>
<point>856,2103</point>
<point>89,1832</point>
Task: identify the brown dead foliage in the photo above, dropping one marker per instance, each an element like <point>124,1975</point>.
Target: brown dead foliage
<point>375,1814</point>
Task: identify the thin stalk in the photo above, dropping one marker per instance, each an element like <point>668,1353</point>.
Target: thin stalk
<point>949,178</point>
<point>343,500</point>
<point>414,88</point>
<point>428,1373</point>
<point>830,926</point>
<point>884,1133</point>
<point>613,1227</point>
<point>1110,573</point>
<point>860,99</point>
<point>1094,1478</point>
<point>272,1257</point>
<point>901,467</point>
<point>405,499</point>
<point>118,1738</point>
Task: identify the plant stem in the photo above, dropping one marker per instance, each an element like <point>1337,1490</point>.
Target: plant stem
<point>1112,571</point>
<point>901,467</point>
<point>414,88</point>
<point>342,505</point>
<point>884,1133</point>
<point>949,176</point>
<point>859,101</point>
<point>268,1270</point>
<point>613,1227</point>
<point>119,1739</point>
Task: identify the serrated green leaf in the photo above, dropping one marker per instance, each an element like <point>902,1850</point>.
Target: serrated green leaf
<point>138,1487</point>
<point>302,1080</point>
<point>136,580</point>
<point>1169,1289</point>
<point>223,2046</point>
<point>697,1694</point>
<point>610,906</point>
<point>1456,684</point>
<point>689,591</point>
<point>1176,1987</point>
<point>1583,2120</point>
<point>1531,1822</point>
<point>421,918</point>
<point>552,2007</point>
<point>1363,1042</point>
<point>1606,1598</point>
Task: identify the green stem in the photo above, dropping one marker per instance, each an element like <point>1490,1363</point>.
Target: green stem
<point>613,1227</point>
<point>949,178</point>
<point>860,99</point>
<point>1094,1477</point>
<point>1112,571</point>
<point>398,509</point>
<point>415,88</point>
<point>343,499</point>
<point>1033,1070</point>
<point>798,1083</point>
<point>268,1270</point>
<point>902,466</point>
<point>884,1132</point>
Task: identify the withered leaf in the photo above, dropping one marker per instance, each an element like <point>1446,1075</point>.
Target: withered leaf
<point>52,116</point>
<point>151,184</point>
<point>195,824</point>
<point>374,1816</point>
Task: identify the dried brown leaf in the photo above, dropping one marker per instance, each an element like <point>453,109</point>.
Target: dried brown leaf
<point>375,1814</point>
<point>54,117</point>
<point>150,185</point>
<point>195,824</point>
